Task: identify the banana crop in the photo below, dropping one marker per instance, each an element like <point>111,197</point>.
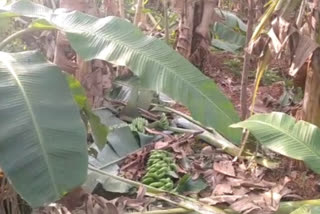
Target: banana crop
<point>159,166</point>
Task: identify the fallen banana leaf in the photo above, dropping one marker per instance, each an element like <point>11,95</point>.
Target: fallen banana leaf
<point>171,197</point>
<point>121,142</point>
<point>285,207</point>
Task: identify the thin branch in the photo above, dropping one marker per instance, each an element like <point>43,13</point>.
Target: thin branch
<point>246,64</point>
<point>166,22</point>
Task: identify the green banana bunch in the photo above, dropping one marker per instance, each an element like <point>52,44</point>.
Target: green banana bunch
<point>161,124</point>
<point>160,164</point>
<point>139,124</point>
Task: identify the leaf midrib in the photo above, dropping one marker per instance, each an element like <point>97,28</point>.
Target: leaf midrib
<point>33,118</point>
<point>286,133</point>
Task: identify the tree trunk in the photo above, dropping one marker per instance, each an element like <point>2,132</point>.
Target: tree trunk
<point>196,17</point>
<point>111,8</point>
<point>138,15</point>
<point>186,9</point>
<point>82,70</point>
<point>246,63</point>
<point>122,9</point>
<point>311,104</point>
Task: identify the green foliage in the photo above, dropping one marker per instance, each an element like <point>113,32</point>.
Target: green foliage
<point>283,134</point>
<point>99,130</point>
<point>271,76</point>
<point>43,141</point>
<point>8,26</point>
<point>158,66</point>
<point>235,66</point>
<point>229,34</point>
<point>187,185</point>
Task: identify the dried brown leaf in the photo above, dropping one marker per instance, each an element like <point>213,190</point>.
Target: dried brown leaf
<point>225,167</point>
<point>304,50</point>
<point>222,189</point>
<point>213,200</point>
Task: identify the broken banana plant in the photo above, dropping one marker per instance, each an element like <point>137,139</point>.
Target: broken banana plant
<point>213,138</point>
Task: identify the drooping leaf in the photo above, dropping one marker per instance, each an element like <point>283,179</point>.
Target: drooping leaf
<point>265,19</point>
<point>282,134</point>
<point>158,66</point>
<point>43,146</point>
<point>99,130</point>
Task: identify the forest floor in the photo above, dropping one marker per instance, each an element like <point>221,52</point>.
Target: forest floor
<point>217,178</point>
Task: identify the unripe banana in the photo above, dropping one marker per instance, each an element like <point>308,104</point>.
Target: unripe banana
<point>159,164</point>
<point>156,184</point>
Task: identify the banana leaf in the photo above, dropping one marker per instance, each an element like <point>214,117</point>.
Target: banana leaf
<point>232,20</point>
<point>230,33</point>
<point>281,133</point>
<point>158,66</point>
<point>121,142</point>
<point>307,210</point>
<point>43,148</point>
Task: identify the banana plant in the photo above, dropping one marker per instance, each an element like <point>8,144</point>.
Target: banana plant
<point>43,148</point>
<point>158,66</point>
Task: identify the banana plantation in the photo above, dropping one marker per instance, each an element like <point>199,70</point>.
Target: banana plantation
<point>159,106</point>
